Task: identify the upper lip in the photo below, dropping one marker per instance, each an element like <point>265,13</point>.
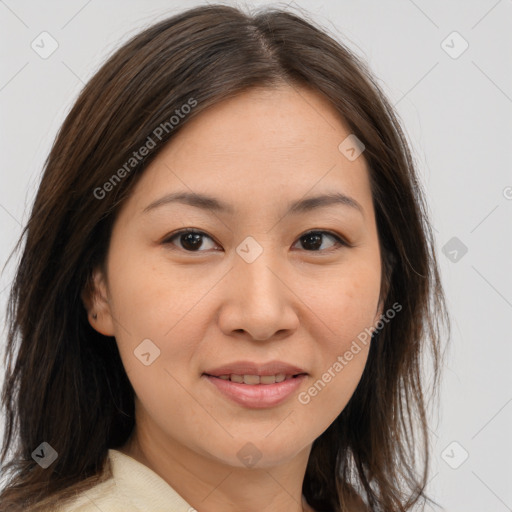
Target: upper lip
<point>251,368</point>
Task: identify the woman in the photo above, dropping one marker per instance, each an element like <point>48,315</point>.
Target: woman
<point>227,285</point>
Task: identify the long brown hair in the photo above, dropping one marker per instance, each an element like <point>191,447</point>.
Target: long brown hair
<point>65,386</point>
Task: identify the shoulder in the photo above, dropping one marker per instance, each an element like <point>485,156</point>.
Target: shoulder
<point>133,487</point>
<point>104,496</point>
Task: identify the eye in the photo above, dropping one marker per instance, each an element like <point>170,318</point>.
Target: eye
<point>313,239</point>
<point>191,240</point>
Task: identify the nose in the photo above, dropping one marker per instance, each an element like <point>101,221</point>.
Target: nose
<point>259,300</point>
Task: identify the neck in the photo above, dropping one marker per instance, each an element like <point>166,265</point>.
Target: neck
<point>207,483</point>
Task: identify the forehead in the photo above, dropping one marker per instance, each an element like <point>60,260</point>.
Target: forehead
<point>282,120</point>
<point>261,146</point>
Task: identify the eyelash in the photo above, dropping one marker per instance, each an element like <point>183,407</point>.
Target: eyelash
<point>339,240</point>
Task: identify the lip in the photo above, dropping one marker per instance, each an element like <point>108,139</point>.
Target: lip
<point>257,396</point>
<point>251,368</point>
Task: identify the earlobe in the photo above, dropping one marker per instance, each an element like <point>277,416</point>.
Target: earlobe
<point>96,302</point>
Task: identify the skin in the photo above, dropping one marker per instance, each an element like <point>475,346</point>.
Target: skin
<point>204,308</point>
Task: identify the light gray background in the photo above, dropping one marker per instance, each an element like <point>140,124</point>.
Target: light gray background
<point>457,115</point>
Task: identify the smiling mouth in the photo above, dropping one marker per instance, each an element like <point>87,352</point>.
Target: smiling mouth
<point>253,380</point>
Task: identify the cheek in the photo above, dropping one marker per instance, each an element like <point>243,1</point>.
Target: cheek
<point>346,303</point>
<point>149,296</point>
<point>153,301</point>
<point>346,306</point>
<point>329,392</point>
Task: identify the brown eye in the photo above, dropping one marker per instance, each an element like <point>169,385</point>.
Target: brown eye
<point>313,240</point>
<point>190,240</point>
<point>193,241</point>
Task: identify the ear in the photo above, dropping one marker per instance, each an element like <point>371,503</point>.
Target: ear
<point>95,299</point>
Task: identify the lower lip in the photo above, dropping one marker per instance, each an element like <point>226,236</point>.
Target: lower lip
<point>257,396</point>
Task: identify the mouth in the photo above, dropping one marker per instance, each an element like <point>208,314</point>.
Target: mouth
<point>256,391</point>
<point>254,380</point>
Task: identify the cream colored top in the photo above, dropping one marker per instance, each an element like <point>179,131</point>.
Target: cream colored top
<point>133,488</point>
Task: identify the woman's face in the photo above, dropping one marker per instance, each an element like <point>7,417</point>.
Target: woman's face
<point>251,287</point>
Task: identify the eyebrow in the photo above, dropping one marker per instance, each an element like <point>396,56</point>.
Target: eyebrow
<point>301,206</point>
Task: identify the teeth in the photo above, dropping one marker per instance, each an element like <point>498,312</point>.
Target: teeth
<point>251,379</point>
<point>256,379</point>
